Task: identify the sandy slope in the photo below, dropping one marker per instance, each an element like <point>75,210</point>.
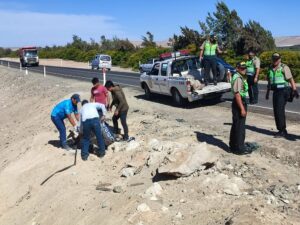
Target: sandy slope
<point>263,187</point>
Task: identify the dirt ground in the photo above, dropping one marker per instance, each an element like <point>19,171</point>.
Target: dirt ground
<point>261,188</point>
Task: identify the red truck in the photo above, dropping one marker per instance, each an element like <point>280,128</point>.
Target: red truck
<point>29,56</point>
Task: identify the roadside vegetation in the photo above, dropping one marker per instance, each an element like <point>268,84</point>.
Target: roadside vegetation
<point>234,35</point>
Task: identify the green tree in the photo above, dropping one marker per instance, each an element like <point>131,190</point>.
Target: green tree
<point>148,41</point>
<point>226,24</point>
<point>188,37</point>
<point>255,37</point>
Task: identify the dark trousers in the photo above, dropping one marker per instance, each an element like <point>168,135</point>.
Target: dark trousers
<point>279,102</point>
<point>91,125</point>
<point>123,117</point>
<point>210,62</point>
<point>238,130</point>
<point>60,125</point>
<point>253,89</point>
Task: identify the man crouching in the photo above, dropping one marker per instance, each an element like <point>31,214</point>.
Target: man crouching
<point>89,117</point>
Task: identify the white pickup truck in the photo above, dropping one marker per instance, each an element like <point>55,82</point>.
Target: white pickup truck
<point>180,78</point>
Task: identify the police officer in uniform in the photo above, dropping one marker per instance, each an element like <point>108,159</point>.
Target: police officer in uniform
<point>239,88</point>
<point>253,68</point>
<point>279,78</point>
<point>208,55</point>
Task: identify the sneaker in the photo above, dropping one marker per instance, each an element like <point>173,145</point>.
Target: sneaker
<point>128,139</point>
<point>67,147</point>
<point>281,134</point>
<point>101,155</point>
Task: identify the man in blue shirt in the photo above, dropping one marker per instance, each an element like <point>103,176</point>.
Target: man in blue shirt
<point>61,111</point>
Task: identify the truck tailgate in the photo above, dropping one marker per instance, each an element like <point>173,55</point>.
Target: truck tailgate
<point>220,87</point>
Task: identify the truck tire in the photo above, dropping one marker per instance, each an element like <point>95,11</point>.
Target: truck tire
<point>177,98</point>
<point>148,94</point>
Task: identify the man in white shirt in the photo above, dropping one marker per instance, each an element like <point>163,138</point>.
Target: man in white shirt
<point>89,118</point>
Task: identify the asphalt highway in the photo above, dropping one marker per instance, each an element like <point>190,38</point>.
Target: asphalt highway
<point>132,79</point>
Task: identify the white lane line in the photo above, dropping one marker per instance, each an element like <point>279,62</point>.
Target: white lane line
<point>95,72</point>
<point>269,108</point>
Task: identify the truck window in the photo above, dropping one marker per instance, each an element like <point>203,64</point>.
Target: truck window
<point>155,69</point>
<point>164,69</point>
<point>105,58</point>
<point>149,61</point>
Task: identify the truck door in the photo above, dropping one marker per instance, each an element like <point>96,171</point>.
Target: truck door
<point>163,78</point>
<point>153,82</point>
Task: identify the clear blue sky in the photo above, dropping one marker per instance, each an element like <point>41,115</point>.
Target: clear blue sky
<point>49,22</point>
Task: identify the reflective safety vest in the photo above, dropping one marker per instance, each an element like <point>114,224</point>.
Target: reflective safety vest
<point>244,91</point>
<point>250,67</point>
<point>210,49</point>
<point>277,78</point>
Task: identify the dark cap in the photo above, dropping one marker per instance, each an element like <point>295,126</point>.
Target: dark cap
<point>241,65</point>
<point>212,36</point>
<point>276,56</point>
<point>76,97</point>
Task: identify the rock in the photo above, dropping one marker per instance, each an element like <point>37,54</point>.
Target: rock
<point>104,205</point>
<point>155,145</point>
<point>103,187</point>
<point>154,159</point>
<point>117,189</point>
<point>116,147</point>
<point>184,162</point>
<point>128,172</point>
<point>271,199</point>
<point>182,201</point>
<point>232,189</point>
<point>285,201</point>
<point>133,145</point>
<point>164,209</point>
<point>143,208</point>
<point>153,191</point>
<point>138,159</point>
<point>179,215</point>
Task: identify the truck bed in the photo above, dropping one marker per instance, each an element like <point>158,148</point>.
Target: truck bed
<point>220,87</point>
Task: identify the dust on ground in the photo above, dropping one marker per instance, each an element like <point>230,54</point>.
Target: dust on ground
<point>129,185</point>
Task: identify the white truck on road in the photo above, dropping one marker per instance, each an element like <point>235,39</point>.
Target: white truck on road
<point>180,78</point>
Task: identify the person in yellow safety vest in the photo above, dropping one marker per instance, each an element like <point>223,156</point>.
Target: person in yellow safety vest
<point>279,78</point>
<point>208,51</point>
<point>239,89</point>
<point>253,68</point>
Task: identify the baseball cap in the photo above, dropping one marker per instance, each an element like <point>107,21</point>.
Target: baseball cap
<point>276,56</point>
<point>241,65</point>
<point>76,97</point>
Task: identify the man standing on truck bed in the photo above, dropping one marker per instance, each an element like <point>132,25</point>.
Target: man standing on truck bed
<point>208,54</point>
<point>239,88</point>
